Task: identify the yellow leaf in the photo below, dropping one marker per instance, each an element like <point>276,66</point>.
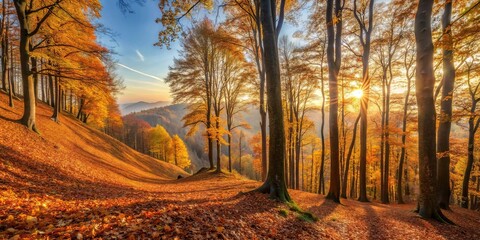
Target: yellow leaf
<point>31,220</point>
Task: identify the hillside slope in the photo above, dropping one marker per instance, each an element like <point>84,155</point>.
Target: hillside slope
<point>73,182</point>
<point>69,153</point>
<point>128,108</point>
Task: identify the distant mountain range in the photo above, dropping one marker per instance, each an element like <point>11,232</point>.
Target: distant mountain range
<point>171,118</point>
<point>128,108</point>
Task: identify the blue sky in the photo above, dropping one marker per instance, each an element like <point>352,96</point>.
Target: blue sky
<point>143,66</point>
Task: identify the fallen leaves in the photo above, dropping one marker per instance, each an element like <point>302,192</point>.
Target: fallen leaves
<point>49,196</point>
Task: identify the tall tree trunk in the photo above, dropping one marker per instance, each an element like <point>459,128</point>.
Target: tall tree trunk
<point>334,62</point>
<point>28,118</point>
<point>472,129</point>
<point>404,142</point>
<point>365,98</point>
<point>445,118</point>
<point>425,83</point>
<point>5,30</point>
<point>321,185</point>
<point>275,181</point>
<point>470,159</point>
<point>386,167</point>
<point>352,184</point>
<point>298,151</point>
<point>12,73</point>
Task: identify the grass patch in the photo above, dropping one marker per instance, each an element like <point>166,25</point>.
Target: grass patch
<point>302,215</point>
<point>307,217</point>
<point>283,212</point>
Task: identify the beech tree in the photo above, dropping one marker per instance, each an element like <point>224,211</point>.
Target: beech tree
<point>271,25</point>
<point>334,58</point>
<point>160,143</point>
<point>180,153</point>
<point>424,84</point>
<point>360,13</point>
<point>190,80</point>
<point>445,118</point>
<point>244,16</point>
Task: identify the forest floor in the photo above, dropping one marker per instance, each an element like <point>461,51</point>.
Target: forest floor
<point>74,182</point>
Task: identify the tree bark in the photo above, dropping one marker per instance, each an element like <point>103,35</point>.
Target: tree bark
<point>5,29</point>
<point>28,118</point>
<point>334,61</point>
<point>321,185</point>
<point>404,142</point>
<point>365,33</point>
<point>445,118</point>
<point>56,108</point>
<point>349,154</point>
<point>425,83</point>
<point>275,181</point>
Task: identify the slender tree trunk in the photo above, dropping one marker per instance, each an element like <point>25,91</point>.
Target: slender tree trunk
<point>240,153</point>
<point>5,29</point>
<point>263,125</point>
<point>347,163</point>
<point>445,118</point>
<point>229,138</point>
<point>364,100</point>
<point>321,185</point>
<point>352,184</point>
<point>52,90</point>
<point>12,73</point>
<point>71,101</point>
<point>218,148</point>
<point>472,128</point>
<point>311,169</point>
<point>56,109</point>
<point>386,167</point>
<point>334,62</point>
<point>404,142</point>
<point>80,108</point>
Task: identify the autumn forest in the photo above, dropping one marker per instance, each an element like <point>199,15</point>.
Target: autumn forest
<point>308,119</point>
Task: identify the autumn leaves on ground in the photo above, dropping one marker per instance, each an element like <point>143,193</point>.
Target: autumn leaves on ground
<point>75,182</point>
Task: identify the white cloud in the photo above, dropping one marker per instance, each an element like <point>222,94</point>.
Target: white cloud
<point>139,72</point>
<point>140,55</point>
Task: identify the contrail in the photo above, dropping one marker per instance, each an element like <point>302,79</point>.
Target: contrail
<point>142,73</point>
<point>140,55</point>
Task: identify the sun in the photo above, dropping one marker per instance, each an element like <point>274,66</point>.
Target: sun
<point>357,93</point>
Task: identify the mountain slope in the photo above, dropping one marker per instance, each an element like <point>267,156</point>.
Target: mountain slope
<point>68,154</point>
<point>128,108</point>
